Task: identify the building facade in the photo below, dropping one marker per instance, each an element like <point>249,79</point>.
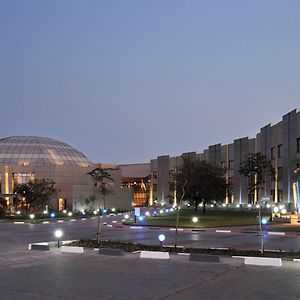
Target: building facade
<point>280,143</point>
<point>24,158</point>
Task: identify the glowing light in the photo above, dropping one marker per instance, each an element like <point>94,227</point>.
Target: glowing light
<point>161,211</point>
<point>141,218</point>
<point>283,211</point>
<point>167,210</point>
<point>224,204</point>
<point>281,206</point>
<point>264,221</point>
<point>31,216</point>
<point>113,209</point>
<point>237,206</point>
<point>195,219</point>
<point>18,212</point>
<point>45,212</point>
<point>257,206</point>
<point>161,237</point>
<point>171,209</point>
<point>64,211</point>
<point>268,205</point>
<point>147,213</point>
<point>249,205</point>
<point>58,233</point>
<point>52,215</point>
<point>276,209</point>
<point>211,205</point>
<point>105,211</point>
<point>126,217</point>
<point>95,212</point>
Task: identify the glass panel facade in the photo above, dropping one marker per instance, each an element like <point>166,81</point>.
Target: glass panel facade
<point>22,150</point>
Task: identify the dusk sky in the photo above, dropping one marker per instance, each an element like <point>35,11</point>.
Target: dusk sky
<point>125,81</point>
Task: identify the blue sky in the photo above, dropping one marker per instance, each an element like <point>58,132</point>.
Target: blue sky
<point>124,81</point>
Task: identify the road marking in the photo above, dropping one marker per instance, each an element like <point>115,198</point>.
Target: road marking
<point>174,229</point>
<point>46,222</point>
<point>223,231</point>
<point>19,222</point>
<point>60,221</point>
<point>136,227</point>
<point>114,221</point>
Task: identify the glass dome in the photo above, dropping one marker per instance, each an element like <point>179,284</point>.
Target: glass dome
<point>31,150</point>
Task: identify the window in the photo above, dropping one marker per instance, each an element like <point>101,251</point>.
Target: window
<point>279,151</point>
<point>298,145</point>
<point>273,153</point>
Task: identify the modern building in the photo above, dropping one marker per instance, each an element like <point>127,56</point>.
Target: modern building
<point>24,158</point>
<point>136,177</point>
<point>280,143</point>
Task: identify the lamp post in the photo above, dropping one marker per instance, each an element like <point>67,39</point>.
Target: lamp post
<point>161,238</point>
<point>58,234</point>
<point>195,220</point>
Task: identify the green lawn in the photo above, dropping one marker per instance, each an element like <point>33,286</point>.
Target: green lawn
<point>212,218</point>
<point>289,228</point>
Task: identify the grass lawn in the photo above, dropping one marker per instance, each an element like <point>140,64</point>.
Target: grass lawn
<point>288,228</point>
<point>212,218</point>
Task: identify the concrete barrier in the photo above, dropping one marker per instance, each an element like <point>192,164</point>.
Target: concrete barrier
<point>276,233</point>
<point>204,257</point>
<point>39,246</point>
<point>154,255</point>
<point>263,261</point>
<point>112,252</point>
<point>70,249</point>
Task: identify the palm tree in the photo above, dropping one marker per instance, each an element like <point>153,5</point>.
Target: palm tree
<point>102,180</point>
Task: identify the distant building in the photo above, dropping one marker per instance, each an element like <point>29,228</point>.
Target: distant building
<point>136,177</point>
<point>280,143</point>
<point>24,158</point>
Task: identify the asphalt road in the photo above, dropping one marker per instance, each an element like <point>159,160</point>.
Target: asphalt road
<point>28,274</point>
<point>18,236</point>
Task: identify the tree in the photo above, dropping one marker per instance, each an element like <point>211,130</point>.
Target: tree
<point>102,180</point>
<point>37,193</point>
<point>203,182</point>
<point>256,168</point>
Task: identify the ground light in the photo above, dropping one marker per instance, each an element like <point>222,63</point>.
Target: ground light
<point>31,216</point>
<point>195,220</point>
<point>58,234</point>
<point>161,238</point>
<point>264,222</point>
<point>45,212</point>
<point>69,214</point>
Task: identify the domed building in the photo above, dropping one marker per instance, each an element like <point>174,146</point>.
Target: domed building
<point>24,158</point>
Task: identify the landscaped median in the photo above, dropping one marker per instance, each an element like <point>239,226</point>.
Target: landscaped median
<point>208,255</point>
<point>212,218</point>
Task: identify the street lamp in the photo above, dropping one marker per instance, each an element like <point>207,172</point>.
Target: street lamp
<point>161,238</point>
<point>195,220</point>
<point>58,234</point>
